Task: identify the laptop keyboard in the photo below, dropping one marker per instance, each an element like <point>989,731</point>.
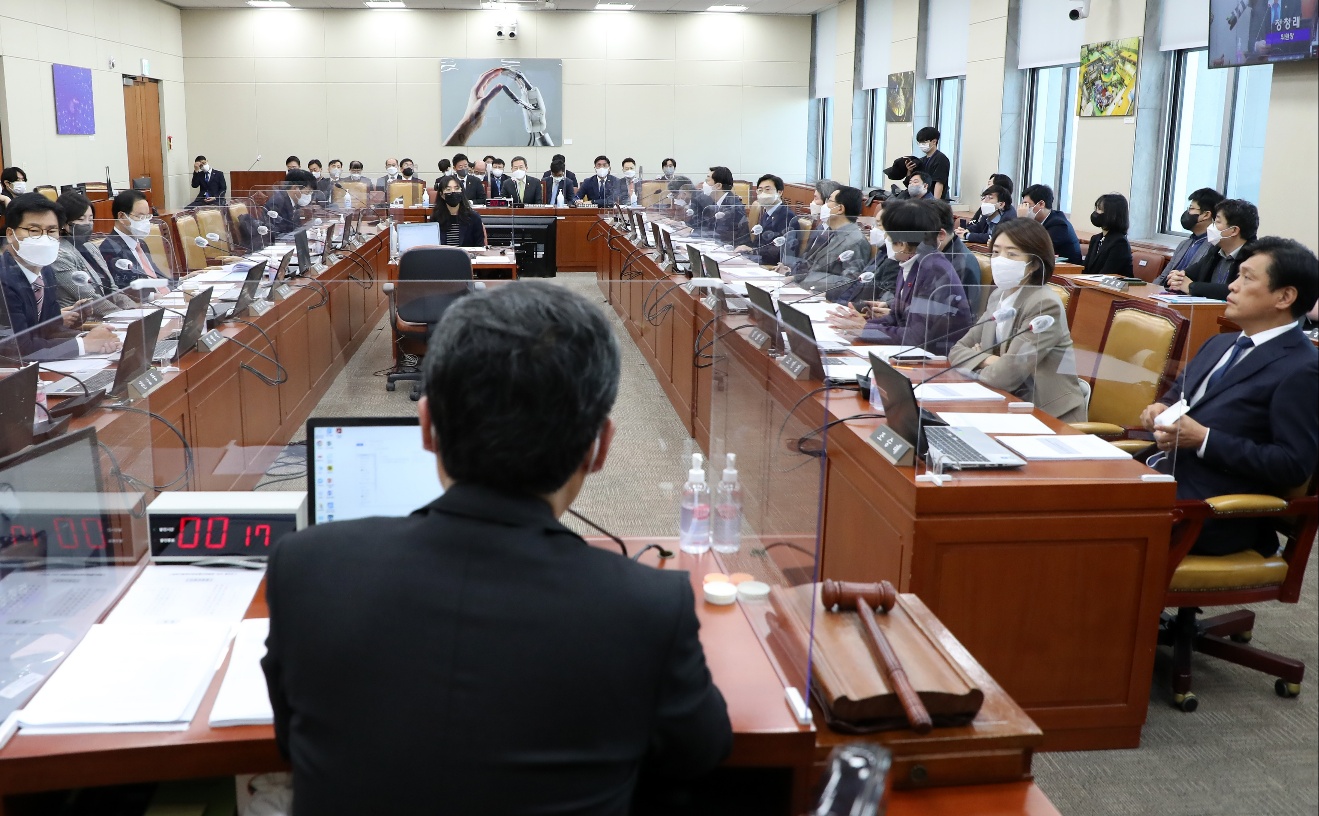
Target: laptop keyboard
<point>953,446</point>
<point>100,381</point>
<point>165,350</point>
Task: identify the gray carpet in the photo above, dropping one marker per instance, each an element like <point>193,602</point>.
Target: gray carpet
<point>1245,752</point>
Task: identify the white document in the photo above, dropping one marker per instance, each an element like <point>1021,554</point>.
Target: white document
<point>847,370</point>
<point>129,678</point>
<point>78,365</point>
<point>955,391</point>
<point>129,315</point>
<point>886,353</point>
<point>1067,447</point>
<point>173,594</point>
<point>817,310</point>
<point>996,423</point>
<point>71,599</point>
<point>244,698</point>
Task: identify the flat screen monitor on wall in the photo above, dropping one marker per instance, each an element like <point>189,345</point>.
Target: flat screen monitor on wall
<point>1260,32</point>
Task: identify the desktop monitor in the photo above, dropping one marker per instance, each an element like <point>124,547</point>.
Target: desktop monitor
<point>657,240</point>
<point>18,405</point>
<point>764,315</point>
<point>251,285</point>
<point>711,267</point>
<point>139,348</point>
<point>422,233</point>
<point>695,267</point>
<point>303,246</point>
<point>281,273</point>
<point>1253,32</point>
<point>367,466</point>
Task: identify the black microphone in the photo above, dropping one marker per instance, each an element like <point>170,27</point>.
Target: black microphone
<point>1039,324</point>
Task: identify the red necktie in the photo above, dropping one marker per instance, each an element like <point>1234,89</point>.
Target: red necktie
<point>143,259</point>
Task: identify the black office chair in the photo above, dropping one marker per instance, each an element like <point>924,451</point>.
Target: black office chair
<point>430,280</point>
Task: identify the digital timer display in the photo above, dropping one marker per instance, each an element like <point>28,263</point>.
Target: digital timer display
<point>50,535</point>
<point>182,536</point>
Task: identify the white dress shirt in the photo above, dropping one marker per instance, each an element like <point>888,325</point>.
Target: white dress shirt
<point>1260,339</point>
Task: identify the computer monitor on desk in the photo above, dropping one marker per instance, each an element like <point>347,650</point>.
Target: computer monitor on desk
<point>534,239</point>
<point>367,466</point>
<point>420,233</point>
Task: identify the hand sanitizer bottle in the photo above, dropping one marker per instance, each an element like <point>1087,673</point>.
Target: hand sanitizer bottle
<point>560,202</point>
<point>425,198</point>
<point>694,517</point>
<point>727,517</point>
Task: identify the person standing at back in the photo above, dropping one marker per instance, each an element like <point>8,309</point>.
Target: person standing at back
<point>934,161</point>
<point>478,656</point>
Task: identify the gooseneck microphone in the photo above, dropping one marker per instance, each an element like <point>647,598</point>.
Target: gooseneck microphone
<point>1037,325</point>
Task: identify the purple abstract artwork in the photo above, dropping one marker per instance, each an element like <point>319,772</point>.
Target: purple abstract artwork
<point>75,115</point>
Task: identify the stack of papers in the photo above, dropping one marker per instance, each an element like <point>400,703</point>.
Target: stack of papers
<point>886,353</point>
<point>955,391</point>
<point>1069,447</point>
<point>244,698</point>
<point>996,423</point>
<point>1184,299</point>
<point>178,594</point>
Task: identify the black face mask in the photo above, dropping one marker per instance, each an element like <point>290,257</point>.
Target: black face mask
<point>453,199</point>
<point>407,172</point>
<point>1097,218</point>
<point>80,230</point>
<point>1189,220</point>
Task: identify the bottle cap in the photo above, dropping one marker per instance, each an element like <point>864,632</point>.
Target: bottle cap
<point>753,590</point>
<point>720,593</point>
<point>715,576</point>
<point>697,473</point>
<point>739,577</point>
<point>730,468</point>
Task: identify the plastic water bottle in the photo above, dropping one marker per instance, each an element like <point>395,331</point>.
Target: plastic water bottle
<point>694,517</point>
<point>425,198</point>
<point>727,517</point>
<point>560,201</point>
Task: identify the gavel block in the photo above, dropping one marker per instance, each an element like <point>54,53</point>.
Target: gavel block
<point>847,681</point>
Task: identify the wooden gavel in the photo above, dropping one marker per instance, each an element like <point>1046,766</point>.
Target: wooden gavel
<point>848,595</point>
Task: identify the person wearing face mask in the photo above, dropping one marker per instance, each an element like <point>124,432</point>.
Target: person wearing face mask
<point>391,174</point>
<point>1109,252</point>
<point>600,189</point>
<point>13,182</point>
<point>321,191</point>
<point>559,157</point>
<point>1196,219</point>
<point>132,215</point>
<point>521,189</point>
<point>919,185</point>
<point>210,183</point>
<point>499,183</point>
<point>42,330</point>
<point>558,183</point>
<point>930,308</point>
<point>284,204</point>
<point>842,251</point>
<point>1235,224</point>
<point>629,184</point>
<point>81,274</point>
<point>932,161</point>
<point>1038,368</point>
<point>472,186</point>
<point>672,178</point>
<point>1037,205</point>
<point>807,233</point>
<point>356,175</point>
<point>995,209</point>
<point>773,220</point>
<point>719,212</point>
<point>460,225</point>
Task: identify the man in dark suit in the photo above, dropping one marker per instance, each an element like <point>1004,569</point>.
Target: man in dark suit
<point>210,183</point>
<point>722,212</point>
<point>559,157</point>
<point>600,189</point>
<point>473,187</point>
<point>283,205</point>
<point>560,184</point>
<point>1199,214</point>
<point>125,250</point>
<point>774,221</point>
<point>32,243</point>
<point>1037,203</point>
<point>1235,224</point>
<point>995,208</point>
<point>520,188</point>
<point>479,650</point>
<point>1252,425</point>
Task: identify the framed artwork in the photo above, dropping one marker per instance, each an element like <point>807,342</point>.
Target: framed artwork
<point>501,102</point>
<point>75,115</point>
<point>1107,78</point>
<point>900,91</point>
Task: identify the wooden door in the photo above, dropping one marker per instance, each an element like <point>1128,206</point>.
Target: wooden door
<point>142,124</point>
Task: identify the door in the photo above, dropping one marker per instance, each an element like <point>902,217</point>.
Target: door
<point>142,124</point>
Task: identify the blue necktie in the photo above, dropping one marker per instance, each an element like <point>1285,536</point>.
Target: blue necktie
<point>1243,343</point>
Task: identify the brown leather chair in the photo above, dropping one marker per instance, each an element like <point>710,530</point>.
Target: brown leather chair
<point>1196,581</point>
<point>210,221</point>
<point>1138,358</point>
<point>1067,292</point>
<point>358,190</point>
<point>49,191</point>
<point>753,214</point>
<point>409,191</point>
<point>1147,264</point>
<point>742,189</point>
<point>194,257</point>
<point>652,192</point>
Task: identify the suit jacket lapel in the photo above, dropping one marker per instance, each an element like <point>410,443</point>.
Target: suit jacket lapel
<point>1256,361</point>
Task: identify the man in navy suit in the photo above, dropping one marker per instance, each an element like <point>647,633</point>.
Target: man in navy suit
<point>1252,425</point>
<point>600,189</point>
<point>32,242</point>
<point>473,186</point>
<point>283,205</point>
<point>210,183</point>
<point>125,250</point>
<point>720,212</point>
<point>520,188</point>
<point>775,221</point>
<point>560,183</point>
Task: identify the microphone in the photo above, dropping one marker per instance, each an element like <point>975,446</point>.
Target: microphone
<point>1037,325</point>
<point>253,164</point>
<point>214,238</point>
<point>864,277</point>
<point>989,319</point>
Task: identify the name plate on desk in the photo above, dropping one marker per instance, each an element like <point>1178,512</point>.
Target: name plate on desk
<point>281,292</point>
<point>797,369</point>
<point>259,307</point>
<point>711,302</point>
<point>892,447</point>
<point>145,383</point>
<point>210,341</point>
<point>758,338</point>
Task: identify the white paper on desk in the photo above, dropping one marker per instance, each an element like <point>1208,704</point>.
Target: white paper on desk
<point>996,423</point>
<point>955,391</point>
<point>129,315</point>
<point>846,368</point>
<point>172,594</point>
<point>244,698</point>
<point>750,271</point>
<point>886,353</point>
<point>817,310</point>
<point>230,276</point>
<point>130,677</point>
<point>1065,447</point>
<point>78,365</point>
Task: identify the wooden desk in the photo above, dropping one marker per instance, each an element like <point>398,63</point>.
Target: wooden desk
<point>573,252</point>
<point>1051,575</point>
<point>1008,799</point>
<point>242,183</point>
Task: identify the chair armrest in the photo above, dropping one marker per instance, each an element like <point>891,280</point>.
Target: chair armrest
<point>1099,428</point>
<point>1239,503</point>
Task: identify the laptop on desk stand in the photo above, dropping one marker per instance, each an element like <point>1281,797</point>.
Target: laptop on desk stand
<point>134,361</point>
<point>803,357</point>
<point>194,325</point>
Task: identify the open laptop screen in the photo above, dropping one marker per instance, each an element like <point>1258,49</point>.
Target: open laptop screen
<point>367,466</point>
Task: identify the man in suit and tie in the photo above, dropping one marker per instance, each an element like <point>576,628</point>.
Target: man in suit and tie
<point>774,222</point>
<point>560,184</point>
<point>521,189</point>
<point>391,174</point>
<point>490,629</point>
<point>1252,425</point>
<point>1198,216</point>
<point>210,183</point>
<point>498,182</point>
<point>283,205</point>
<point>629,184</point>
<point>559,157</point>
<point>1235,224</point>
<point>32,243</point>
<point>600,189</point>
<point>124,250</point>
<point>722,213</point>
<point>473,186</point>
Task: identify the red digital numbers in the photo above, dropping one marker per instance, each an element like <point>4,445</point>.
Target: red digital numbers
<point>94,533</point>
<point>259,533</point>
<point>67,535</point>
<point>184,542</point>
<point>222,523</point>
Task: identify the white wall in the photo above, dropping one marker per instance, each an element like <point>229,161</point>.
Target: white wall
<point>845,66</point>
<point>899,139</point>
<point>364,85</point>
<point>982,100</point>
<point>88,33</point>
<point>1286,188</point>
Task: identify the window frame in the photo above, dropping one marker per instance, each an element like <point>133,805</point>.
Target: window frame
<point>955,159</point>
<point>824,136</point>
<point>877,141</point>
<point>1060,174</point>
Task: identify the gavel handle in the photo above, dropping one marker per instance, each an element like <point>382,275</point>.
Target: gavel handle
<point>893,671</point>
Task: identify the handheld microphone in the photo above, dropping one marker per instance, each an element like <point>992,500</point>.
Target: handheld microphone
<point>1037,325</point>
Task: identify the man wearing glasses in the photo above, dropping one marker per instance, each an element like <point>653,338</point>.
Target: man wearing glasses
<point>43,331</point>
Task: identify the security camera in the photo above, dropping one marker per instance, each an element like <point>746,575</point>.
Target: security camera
<point>1079,11</point>
<point>499,31</point>
<point>513,31</point>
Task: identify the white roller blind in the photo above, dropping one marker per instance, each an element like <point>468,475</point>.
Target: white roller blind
<point>1184,24</point>
<point>877,44</point>
<point>948,28</point>
<point>1047,36</point>
<point>824,51</point>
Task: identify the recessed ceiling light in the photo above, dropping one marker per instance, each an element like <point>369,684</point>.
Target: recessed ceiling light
<point>614,6</point>
<point>385,4</point>
<point>267,3</point>
<point>727,8</point>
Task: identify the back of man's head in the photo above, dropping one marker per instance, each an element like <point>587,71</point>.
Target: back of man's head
<point>520,380</point>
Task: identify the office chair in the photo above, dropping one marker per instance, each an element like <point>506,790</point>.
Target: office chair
<point>409,191</point>
<point>1137,361</point>
<point>430,280</point>
<point>1066,289</point>
<point>47,190</point>
<point>1196,581</point>
<point>853,783</point>
<point>194,257</point>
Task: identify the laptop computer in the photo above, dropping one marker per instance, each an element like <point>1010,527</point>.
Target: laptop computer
<point>327,252</point>
<point>657,241</point>
<point>733,301</point>
<point>957,448</point>
<point>134,361</point>
<point>803,346</point>
<point>18,405</point>
<point>247,292</point>
<point>281,274</point>
<point>194,324</point>
<point>765,317</point>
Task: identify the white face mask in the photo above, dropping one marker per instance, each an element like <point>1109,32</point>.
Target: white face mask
<point>334,174</point>
<point>496,171</point>
<point>1008,274</point>
<point>602,171</point>
<point>39,251</point>
<point>815,208</point>
<point>1213,234</point>
<point>315,174</point>
<point>669,171</point>
<point>926,147</point>
<point>826,211</point>
<point>916,190</point>
<point>354,175</point>
<point>988,207</point>
<point>767,199</point>
<point>20,187</point>
<point>888,246</point>
<point>630,174</point>
<point>877,237</point>
<point>391,170</point>
<point>140,228</point>
<point>206,168</point>
<point>304,199</point>
<point>519,174</point>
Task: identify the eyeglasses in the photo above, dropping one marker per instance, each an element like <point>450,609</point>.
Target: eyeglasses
<point>37,232</point>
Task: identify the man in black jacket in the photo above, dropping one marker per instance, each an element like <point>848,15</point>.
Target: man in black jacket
<point>478,656</point>
<point>209,182</point>
<point>1235,224</point>
<point>1037,203</point>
